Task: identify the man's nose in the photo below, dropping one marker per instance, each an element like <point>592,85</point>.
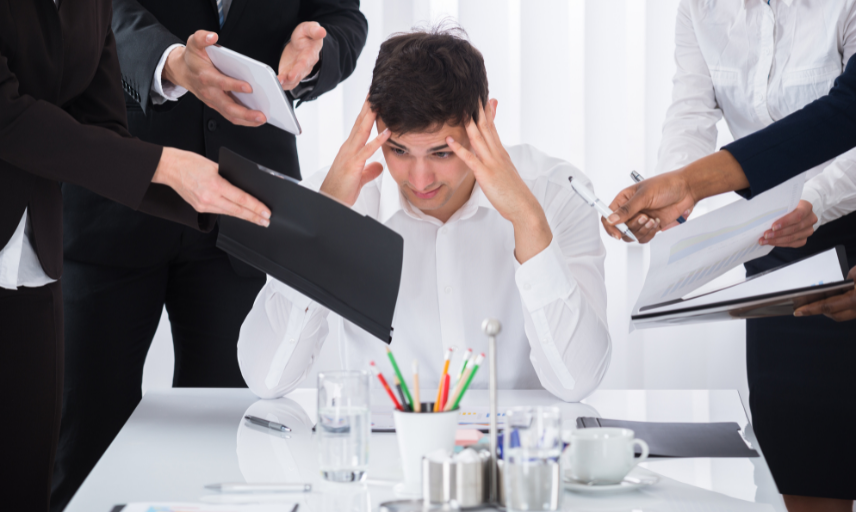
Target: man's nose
<point>421,176</point>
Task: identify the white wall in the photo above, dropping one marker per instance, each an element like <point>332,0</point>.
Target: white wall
<point>585,80</point>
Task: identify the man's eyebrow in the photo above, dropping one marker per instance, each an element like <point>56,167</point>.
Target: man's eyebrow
<point>401,146</point>
<point>438,148</point>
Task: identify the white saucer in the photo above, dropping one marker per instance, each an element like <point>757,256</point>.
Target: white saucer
<point>631,482</point>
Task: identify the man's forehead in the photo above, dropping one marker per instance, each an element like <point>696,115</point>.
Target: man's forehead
<point>429,139</point>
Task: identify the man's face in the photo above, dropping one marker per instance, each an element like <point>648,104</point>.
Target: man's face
<point>428,173</point>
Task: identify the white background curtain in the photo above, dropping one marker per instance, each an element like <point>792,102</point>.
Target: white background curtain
<point>588,81</point>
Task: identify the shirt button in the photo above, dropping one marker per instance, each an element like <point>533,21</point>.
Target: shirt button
<point>526,286</point>
<point>292,341</point>
<point>442,231</point>
<point>448,289</point>
<point>455,347</point>
<point>212,125</point>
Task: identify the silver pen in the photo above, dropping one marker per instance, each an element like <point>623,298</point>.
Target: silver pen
<point>598,205</point>
<point>238,487</point>
<point>265,423</point>
<point>636,177</point>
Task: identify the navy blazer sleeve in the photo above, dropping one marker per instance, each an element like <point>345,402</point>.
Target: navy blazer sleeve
<point>818,132</point>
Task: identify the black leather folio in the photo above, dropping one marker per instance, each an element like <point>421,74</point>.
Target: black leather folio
<point>681,439</point>
<point>345,261</point>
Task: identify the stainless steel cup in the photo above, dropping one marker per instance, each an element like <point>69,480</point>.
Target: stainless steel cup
<point>464,483</point>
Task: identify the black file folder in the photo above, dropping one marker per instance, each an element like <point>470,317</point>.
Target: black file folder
<point>345,261</point>
<point>681,439</point>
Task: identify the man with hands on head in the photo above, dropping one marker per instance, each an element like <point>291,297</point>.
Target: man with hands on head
<point>123,268</point>
<point>486,234</point>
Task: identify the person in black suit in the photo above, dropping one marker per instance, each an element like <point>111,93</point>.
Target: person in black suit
<point>62,119</point>
<point>123,267</point>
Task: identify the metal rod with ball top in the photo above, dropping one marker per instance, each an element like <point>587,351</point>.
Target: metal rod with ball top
<point>492,328</point>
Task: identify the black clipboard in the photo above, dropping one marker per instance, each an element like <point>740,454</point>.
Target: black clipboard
<point>757,306</point>
<point>345,261</point>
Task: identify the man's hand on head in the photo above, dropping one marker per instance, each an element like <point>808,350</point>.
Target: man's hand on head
<point>191,68</point>
<point>300,54</point>
<point>349,171</point>
<point>501,183</point>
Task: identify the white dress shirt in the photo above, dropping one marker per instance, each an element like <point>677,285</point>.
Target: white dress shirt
<point>754,63</point>
<point>454,275</point>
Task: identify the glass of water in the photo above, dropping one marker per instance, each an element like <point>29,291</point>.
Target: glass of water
<point>343,425</point>
<point>531,452</point>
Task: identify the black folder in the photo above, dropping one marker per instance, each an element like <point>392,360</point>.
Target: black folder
<point>345,261</point>
<point>681,439</point>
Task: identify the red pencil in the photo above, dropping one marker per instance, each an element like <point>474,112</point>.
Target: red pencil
<point>446,382</point>
<point>385,386</point>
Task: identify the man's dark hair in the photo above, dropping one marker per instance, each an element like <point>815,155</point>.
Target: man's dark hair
<point>425,79</point>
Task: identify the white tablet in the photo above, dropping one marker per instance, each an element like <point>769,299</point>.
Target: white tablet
<point>267,96</point>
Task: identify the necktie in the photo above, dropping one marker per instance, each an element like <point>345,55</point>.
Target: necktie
<point>221,12</point>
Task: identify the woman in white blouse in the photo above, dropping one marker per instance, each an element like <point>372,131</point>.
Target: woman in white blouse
<point>754,62</point>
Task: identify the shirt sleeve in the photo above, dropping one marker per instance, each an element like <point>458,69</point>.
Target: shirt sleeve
<point>165,91</point>
<point>832,193</point>
<point>280,340</point>
<point>563,293</point>
<point>689,131</point>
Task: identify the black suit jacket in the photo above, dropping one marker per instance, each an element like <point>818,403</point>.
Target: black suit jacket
<point>104,232</point>
<point>62,118</point>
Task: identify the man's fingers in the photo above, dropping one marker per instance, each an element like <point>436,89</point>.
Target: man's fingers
<point>370,172</point>
<point>643,227</point>
<point>240,115</point>
<point>610,229</point>
<point>373,145</point>
<point>830,306</point>
<point>465,154</point>
<point>202,38</point>
<point>480,147</point>
<point>632,204</point>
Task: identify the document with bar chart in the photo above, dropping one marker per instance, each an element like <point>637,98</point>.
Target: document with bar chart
<point>685,258</point>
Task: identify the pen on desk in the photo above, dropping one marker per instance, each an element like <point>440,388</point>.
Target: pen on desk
<point>385,385</point>
<point>260,487</point>
<point>417,405</point>
<point>598,205</point>
<point>269,424</point>
<point>636,177</point>
<point>408,400</point>
<point>446,357</point>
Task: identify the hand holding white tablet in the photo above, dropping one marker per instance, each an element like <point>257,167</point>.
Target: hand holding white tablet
<point>191,68</point>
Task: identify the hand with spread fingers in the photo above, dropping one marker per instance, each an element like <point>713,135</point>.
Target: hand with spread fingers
<point>300,54</point>
<point>349,171</point>
<point>501,183</point>
<point>839,308</point>
<point>793,229</point>
<point>190,67</point>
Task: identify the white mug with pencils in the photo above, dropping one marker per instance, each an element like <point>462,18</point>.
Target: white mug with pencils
<point>420,434</point>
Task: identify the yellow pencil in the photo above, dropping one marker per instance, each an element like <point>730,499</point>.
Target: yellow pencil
<point>417,405</point>
<point>442,376</point>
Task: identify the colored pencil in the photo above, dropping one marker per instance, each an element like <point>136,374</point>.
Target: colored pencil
<point>408,398</point>
<point>417,404</point>
<point>446,358</point>
<point>401,394</point>
<point>467,356</point>
<point>456,399</point>
<point>447,381</point>
<point>385,385</point>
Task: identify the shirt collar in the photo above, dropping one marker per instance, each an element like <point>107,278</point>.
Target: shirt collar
<point>393,201</point>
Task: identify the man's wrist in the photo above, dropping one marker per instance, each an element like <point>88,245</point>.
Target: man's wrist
<point>532,233</point>
<point>163,172</point>
<point>172,70</point>
<point>714,174</point>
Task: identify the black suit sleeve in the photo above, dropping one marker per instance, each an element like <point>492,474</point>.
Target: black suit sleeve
<point>141,41</point>
<point>818,132</point>
<point>347,30</point>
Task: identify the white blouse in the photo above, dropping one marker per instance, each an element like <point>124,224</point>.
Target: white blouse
<point>754,62</point>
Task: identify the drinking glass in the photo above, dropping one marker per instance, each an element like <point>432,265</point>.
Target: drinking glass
<point>532,451</point>
<point>343,425</point>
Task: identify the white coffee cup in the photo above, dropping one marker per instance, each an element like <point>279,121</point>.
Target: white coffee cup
<point>603,456</point>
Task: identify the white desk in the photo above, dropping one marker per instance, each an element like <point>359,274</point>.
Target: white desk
<point>179,440</point>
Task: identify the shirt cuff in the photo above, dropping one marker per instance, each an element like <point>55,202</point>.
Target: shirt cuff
<point>165,91</point>
<point>814,197</point>
<point>307,84</point>
<point>296,298</point>
<point>544,278</point>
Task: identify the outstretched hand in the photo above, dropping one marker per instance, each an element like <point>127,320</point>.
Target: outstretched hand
<point>349,171</point>
<point>300,54</point>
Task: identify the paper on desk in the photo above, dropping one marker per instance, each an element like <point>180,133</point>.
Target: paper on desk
<point>205,507</point>
<point>698,251</point>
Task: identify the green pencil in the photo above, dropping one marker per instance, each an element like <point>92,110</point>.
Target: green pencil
<point>400,377</point>
<point>472,373</point>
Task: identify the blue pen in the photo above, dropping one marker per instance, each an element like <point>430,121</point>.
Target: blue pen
<point>636,177</point>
